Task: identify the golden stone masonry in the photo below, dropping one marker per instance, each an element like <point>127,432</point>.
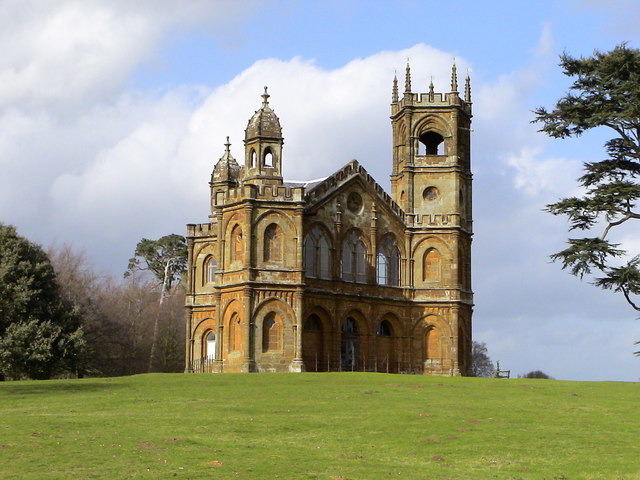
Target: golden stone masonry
<point>336,274</point>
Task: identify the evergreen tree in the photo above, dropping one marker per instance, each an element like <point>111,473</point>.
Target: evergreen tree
<point>166,259</point>
<point>605,93</point>
<point>40,333</point>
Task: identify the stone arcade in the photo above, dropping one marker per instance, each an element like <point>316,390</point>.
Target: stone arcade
<point>335,274</point>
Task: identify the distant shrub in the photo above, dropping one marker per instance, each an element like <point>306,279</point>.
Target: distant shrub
<point>537,374</point>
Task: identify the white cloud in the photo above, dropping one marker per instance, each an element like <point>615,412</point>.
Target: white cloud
<point>68,54</point>
<point>536,175</point>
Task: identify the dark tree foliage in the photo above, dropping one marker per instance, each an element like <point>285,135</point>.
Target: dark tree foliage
<point>166,259</point>
<point>605,93</point>
<point>40,332</point>
<point>481,365</point>
<point>537,374</point>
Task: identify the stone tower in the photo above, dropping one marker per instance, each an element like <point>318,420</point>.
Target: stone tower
<point>431,181</point>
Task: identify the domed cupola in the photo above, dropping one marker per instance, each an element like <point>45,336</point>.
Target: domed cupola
<point>265,122</point>
<point>263,146</point>
<point>227,169</point>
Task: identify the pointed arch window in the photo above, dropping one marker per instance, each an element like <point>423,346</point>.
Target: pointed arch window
<point>432,266</point>
<point>354,259</point>
<point>317,260</point>
<point>252,158</point>
<point>273,243</point>
<point>388,263</point>
<point>271,333</point>
<point>210,270</point>
<point>237,245</point>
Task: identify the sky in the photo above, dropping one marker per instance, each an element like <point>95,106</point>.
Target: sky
<point>113,114</point>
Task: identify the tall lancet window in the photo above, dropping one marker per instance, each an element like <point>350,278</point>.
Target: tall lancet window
<point>354,259</point>
<point>210,268</point>
<point>388,271</point>
<point>317,260</point>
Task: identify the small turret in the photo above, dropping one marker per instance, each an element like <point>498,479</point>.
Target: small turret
<point>227,169</point>
<point>263,146</point>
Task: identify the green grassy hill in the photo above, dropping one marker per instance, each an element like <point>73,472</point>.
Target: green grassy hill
<point>337,426</point>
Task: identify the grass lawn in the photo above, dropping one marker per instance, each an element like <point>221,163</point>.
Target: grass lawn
<point>337,426</point>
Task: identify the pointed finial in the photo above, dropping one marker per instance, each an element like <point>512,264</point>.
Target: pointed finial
<point>431,89</point>
<point>407,79</point>
<point>467,88</point>
<point>454,78</point>
<point>227,145</point>
<point>265,98</point>
<point>394,92</point>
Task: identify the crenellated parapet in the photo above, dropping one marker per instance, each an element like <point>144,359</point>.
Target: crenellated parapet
<point>201,229</point>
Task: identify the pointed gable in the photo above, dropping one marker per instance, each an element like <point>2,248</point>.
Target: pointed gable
<point>319,193</point>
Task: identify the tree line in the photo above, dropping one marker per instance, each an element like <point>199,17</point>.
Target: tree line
<point>60,317</point>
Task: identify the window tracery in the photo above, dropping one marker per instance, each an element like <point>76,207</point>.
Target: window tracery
<point>317,258</point>
<point>354,259</point>
<point>388,263</point>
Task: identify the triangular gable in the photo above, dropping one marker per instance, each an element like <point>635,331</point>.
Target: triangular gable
<point>323,191</point>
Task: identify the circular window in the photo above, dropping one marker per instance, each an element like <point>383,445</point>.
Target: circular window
<point>354,202</point>
<point>430,193</point>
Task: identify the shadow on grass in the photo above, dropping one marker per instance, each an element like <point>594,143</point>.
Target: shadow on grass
<point>55,386</point>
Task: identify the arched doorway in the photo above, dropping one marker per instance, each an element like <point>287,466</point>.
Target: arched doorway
<point>349,345</point>
<point>312,345</point>
<point>385,352</point>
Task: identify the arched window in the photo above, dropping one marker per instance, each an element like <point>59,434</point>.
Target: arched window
<point>431,143</point>
<point>273,243</point>
<point>384,329</point>
<point>267,158</point>
<point>317,260</point>
<point>271,333</point>
<point>210,345</point>
<point>354,259</point>
<point>388,272</point>
<point>235,333</point>
<point>210,270</point>
<point>252,158</point>
<point>237,247</point>
<point>432,266</point>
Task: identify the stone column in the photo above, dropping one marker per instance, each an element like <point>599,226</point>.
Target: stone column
<point>248,362</point>
<point>217,364</point>
<point>455,365</point>
<point>297,365</point>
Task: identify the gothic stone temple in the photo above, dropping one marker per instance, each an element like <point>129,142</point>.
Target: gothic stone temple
<point>336,274</point>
